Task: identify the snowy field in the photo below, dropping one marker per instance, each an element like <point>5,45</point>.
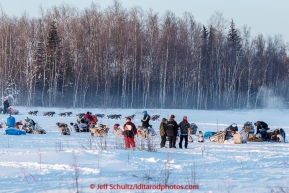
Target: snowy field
<point>57,163</point>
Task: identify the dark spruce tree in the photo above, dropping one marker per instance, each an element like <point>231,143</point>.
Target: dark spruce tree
<point>53,59</point>
<point>41,73</point>
<point>233,67</point>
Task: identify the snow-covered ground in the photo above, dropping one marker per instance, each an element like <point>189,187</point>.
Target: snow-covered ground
<point>57,163</point>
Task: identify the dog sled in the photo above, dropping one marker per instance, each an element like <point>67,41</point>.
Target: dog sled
<point>219,137</point>
<point>14,131</point>
<point>12,111</point>
<point>11,124</point>
<point>229,135</point>
<point>209,134</point>
<point>194,128</point>
<point>9,111</point>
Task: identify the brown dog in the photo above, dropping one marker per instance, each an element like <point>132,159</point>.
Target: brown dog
<point>99,131</point>
<point>141,132</point>
<point>63,128</point>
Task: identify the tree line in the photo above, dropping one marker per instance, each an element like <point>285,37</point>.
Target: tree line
<point>131,58</point>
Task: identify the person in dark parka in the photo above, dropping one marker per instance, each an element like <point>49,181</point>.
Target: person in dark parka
<point>262,128</point>
<point>184,128</point>
<point>6,106</point>
<point>163,132</point>
<point>145,122</point>
<point>172,131</point>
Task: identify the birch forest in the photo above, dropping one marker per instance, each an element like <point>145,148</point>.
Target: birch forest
<point>116,57</point>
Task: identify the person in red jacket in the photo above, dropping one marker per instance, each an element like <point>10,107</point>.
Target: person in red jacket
<point>93,119</point>
<point>129,132</point>
<point>87,115</point>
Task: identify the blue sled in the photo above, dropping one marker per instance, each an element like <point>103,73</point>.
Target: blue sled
<point>208,134</point>
<point>13,131</point>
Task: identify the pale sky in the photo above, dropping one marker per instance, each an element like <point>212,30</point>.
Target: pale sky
<point>269,17</point>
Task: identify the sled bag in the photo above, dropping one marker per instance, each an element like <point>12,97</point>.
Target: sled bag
<point>11,121</point>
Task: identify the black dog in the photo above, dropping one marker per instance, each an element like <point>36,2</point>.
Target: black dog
<point>155,117</point>
<point>99,115</point>
<point>132,116</point>
<point>34,113</point>
<point>49,113</point>
<point>65,114</point>
<point>113,116</point>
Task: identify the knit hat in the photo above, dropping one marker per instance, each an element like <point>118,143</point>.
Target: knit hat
<point>145,112</point>
<point>185,118</point>
<point>172,117</point>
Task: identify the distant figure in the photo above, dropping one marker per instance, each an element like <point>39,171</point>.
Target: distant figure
<point>87,115</point>
<point>172,131</point>
<point>129,132</point>
<point>262,128</point>
<point>163,132</point>
<point>6,106</point>
<point>145,122</point>
<point>87,118</point>
<point>185,127</point>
